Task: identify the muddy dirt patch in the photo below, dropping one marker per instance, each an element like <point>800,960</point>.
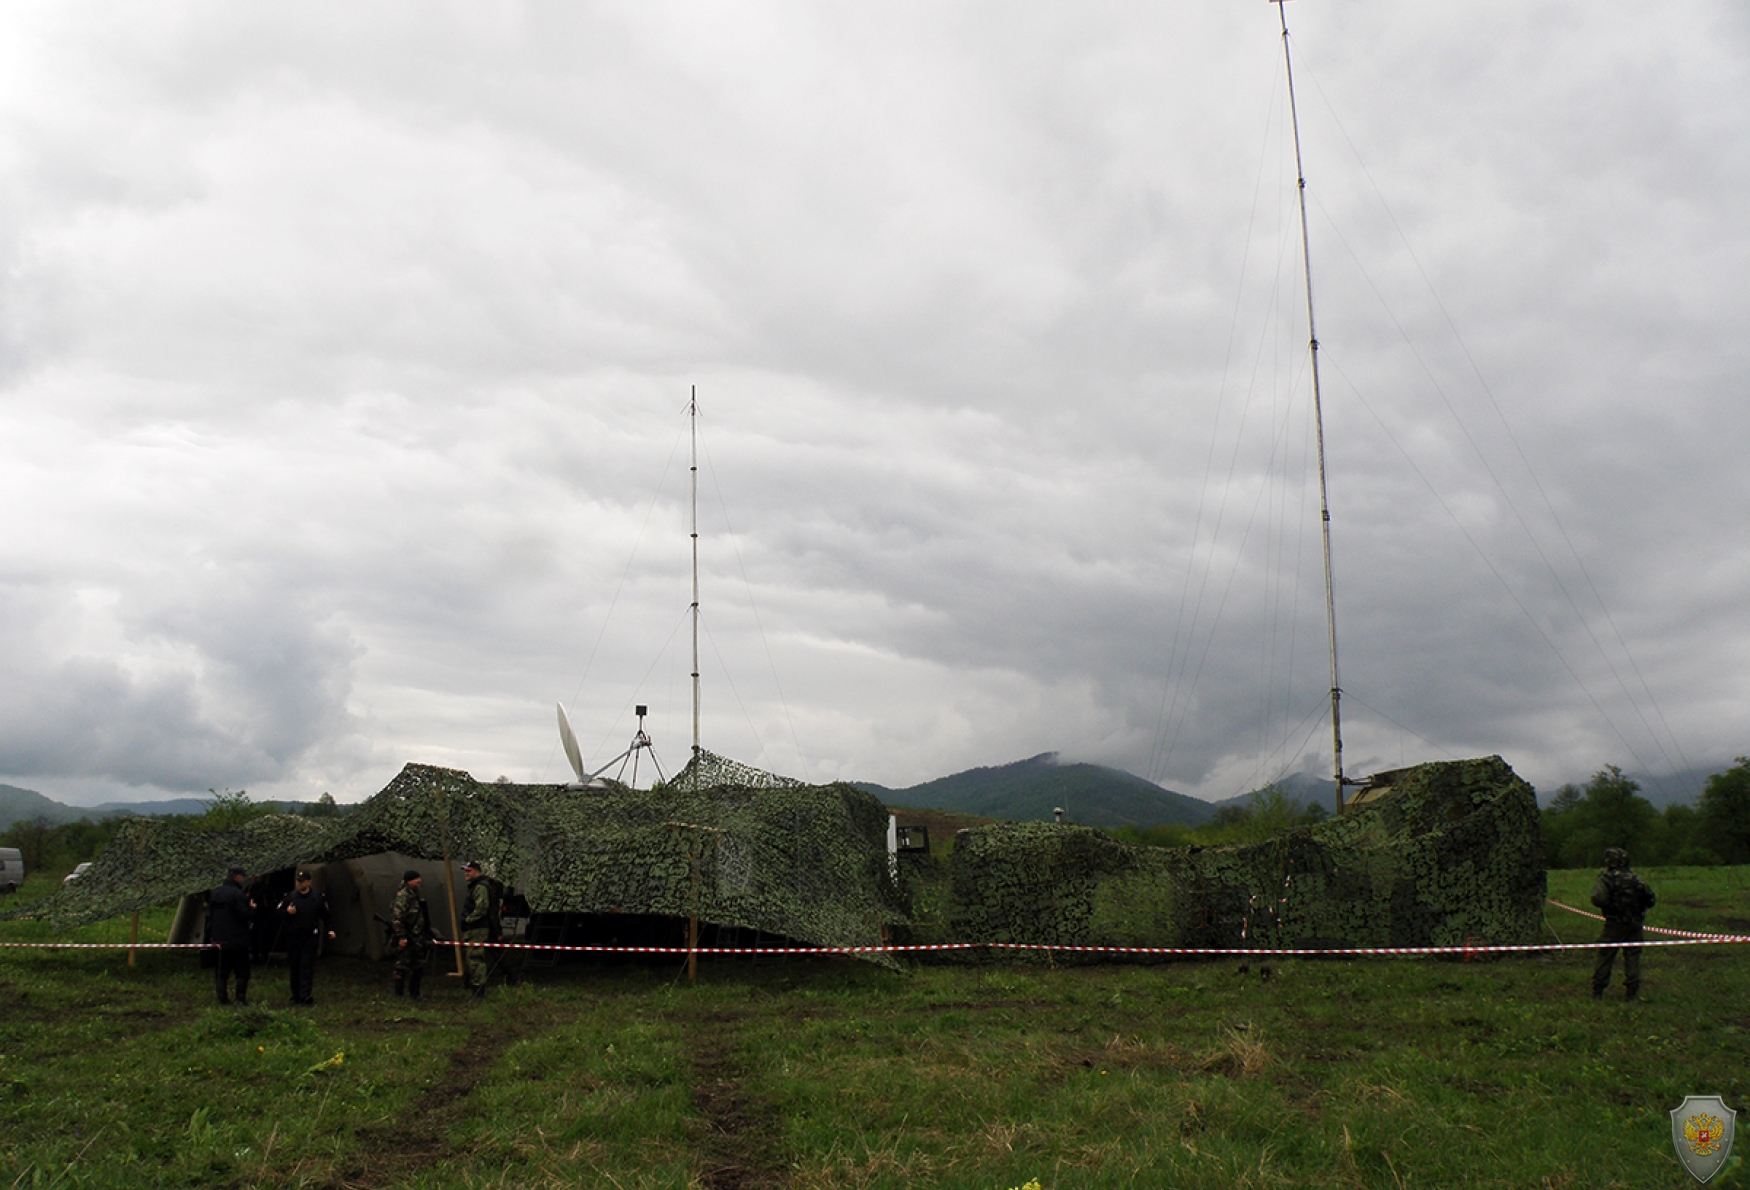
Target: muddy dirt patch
<point>418,1138</point>
<point>740,1140</point>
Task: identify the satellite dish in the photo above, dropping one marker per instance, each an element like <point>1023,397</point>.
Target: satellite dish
<point>568,739</point>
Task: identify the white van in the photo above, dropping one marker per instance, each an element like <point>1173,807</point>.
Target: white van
<point>11,869</point>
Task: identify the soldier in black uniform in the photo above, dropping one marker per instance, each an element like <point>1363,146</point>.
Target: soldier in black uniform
<point>230,912</point>
<point>1624,899</point>
<point>303,920</point>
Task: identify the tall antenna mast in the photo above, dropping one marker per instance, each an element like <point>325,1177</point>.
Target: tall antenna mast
<point>1319,420</point>
<point>693,428</point>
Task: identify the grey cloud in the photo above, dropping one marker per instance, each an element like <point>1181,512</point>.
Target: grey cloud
<point>223,691</point>
<point>348,346</point>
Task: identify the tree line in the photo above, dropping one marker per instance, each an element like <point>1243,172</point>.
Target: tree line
<point>1268,813</point>
<point>1608,811</point>
<point>55,848</point>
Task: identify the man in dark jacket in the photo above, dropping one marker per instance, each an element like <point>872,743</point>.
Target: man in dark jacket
<point>303,920</point>
<point>231,911</point>
<point>1624,899</point>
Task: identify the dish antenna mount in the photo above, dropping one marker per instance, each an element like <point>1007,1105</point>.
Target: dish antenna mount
<point>587,780</point>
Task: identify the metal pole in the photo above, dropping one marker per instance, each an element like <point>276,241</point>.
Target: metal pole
<point>693,427</point>
<point>1319,420</point>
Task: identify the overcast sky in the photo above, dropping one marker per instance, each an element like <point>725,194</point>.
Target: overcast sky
<point>345,352</point>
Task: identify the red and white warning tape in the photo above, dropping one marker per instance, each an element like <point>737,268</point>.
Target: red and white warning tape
<point>1193,951</point>
<point>1190,951</point>
<point>1649,929</point>
<point>1684,938</point>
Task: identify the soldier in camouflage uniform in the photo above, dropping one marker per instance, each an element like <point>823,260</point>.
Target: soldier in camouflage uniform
<point>410,927</point>
<point>1624,899</point>
<point>476,929</point>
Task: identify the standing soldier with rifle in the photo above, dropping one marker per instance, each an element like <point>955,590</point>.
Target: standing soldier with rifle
<point>1624,899</point>
<point>410,930</point>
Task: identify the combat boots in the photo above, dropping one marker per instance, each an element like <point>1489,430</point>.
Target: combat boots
<point>400,985</point>
<point>413,981</point>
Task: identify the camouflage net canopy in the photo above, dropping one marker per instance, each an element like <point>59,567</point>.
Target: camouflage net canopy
<point>148,862</point>
<point>806,862</point>
<point>707,770</point>
<point>1441,854</point>
<point>1449,853</point>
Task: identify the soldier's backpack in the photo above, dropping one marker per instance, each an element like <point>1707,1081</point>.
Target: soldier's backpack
<point>1630,896</point>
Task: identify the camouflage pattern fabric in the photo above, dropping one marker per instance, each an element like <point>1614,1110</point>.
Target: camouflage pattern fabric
<point>1450,853</point>
<point>708,770</point>
<point>407,920</point>
<point>804,862</point>
<point>1619,932</point>
<point>1621,895</point>
<point>1442,854</point>
<point>476,958</point>
<point>1624,898</point>
<point>476,912</point>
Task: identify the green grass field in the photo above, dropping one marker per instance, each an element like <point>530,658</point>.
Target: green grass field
<point>837,1074</point>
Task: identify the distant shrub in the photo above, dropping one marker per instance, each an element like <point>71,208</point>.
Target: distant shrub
<point>1156,836</point>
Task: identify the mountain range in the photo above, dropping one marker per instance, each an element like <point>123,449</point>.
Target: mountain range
<point>1032,789</point>
<point>1027,790</point>
<point>21,805</point>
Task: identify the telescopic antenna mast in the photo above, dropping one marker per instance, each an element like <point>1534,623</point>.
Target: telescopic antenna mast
<point>1319,421</point>
<point>693,429</point>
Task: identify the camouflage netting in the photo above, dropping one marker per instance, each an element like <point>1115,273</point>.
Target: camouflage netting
<point>805,862</point>
<point>1450,853</point>
<point>148,862</point>
<point>707,770</point>
<point>1441,854</point>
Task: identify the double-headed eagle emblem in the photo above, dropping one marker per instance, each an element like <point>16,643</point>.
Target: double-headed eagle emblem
<point>1701,1131</point>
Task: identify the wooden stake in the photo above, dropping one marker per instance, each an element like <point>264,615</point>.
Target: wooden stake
<point>450,881</point>
<point>695,852</point>
<point>133,937</point>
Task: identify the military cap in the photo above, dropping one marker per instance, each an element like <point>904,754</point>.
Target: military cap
<point>409,874</point>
